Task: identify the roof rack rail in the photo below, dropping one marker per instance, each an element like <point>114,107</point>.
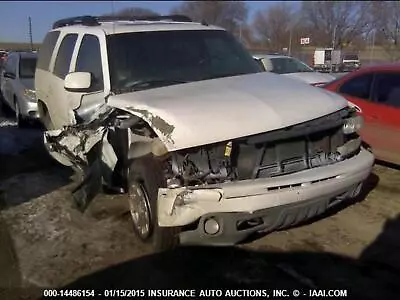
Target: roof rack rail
<point>173,18</point>
<point>95,21</point>
<point>84,20</point>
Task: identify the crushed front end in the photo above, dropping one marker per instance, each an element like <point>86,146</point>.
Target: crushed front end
<point>224,192</point>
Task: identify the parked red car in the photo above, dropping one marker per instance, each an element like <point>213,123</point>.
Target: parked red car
<point>376,91</point>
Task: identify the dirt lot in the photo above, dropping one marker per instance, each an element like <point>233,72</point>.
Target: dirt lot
<point>46,242</point>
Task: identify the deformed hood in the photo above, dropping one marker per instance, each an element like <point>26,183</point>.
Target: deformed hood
<point>205,112</point>
<point>311,77</point>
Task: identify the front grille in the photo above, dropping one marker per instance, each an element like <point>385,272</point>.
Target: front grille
<point>290,156</point>
<point>301,147</point>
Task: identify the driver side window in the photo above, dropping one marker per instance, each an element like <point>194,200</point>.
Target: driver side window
<point>89,60</point>
<point>359,87</point>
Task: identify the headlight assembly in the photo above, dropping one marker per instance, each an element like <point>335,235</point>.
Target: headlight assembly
<point>353,124</point>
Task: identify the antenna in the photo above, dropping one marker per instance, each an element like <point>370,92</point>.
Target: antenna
<point>30,32</point>
<point>113,14</point>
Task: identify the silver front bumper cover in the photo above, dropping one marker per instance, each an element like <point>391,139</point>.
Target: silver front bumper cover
<point>183,206</point>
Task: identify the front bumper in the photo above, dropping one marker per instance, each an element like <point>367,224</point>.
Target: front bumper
<point>271,203</point>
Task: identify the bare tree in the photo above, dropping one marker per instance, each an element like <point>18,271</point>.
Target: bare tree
<point>134,12</point>
<point>230,15</point>
<point>273,26</point>
<point>342,21</point>
<point>386,20</point>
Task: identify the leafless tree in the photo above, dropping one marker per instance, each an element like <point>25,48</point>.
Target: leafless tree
<point>342,21</point>
<point>230,15</point>
<point>134,12</point>
<point>273,26</point>
<point>386,20</point>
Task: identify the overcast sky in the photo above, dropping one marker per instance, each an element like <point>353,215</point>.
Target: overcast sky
<point>14,15</point>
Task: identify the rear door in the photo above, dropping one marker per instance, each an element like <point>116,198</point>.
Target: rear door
<point>10,68</point>
<point>386,100</point>
<point>60,100</point>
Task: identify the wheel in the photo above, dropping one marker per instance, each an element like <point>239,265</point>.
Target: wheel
<point>21,121</point>
<point>145,178</point>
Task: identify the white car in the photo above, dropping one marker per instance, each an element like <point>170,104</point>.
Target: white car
<point>17,86</point>
<point>294,68</point>
<point>178,115</point>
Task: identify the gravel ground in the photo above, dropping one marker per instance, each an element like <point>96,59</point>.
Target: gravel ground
<point>46,242</point>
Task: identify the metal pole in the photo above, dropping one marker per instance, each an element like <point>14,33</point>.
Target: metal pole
<point>371,54</point>
<point>30,32</point>
<point>290,41</point>
<point>333,46</point>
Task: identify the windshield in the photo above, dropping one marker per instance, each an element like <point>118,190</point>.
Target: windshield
<point>350,57</point>
<point>286,65</point>
<point>27,67</point>
<point>158,58</point>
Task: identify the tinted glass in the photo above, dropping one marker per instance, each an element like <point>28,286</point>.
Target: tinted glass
<point>350,57</point>
<point>387,89</point>
<point>64,55</point>
<point>286,65</point>
<point>359,87</point>
<point>89,60</point>
<point>46,50</point>
<point>168,57</point>
<point>11,65</point>
<point>27,67</point>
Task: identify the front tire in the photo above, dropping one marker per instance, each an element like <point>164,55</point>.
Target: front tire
<point>146,176</point>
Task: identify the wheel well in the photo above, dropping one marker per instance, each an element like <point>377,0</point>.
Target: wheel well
<point>42,108</point>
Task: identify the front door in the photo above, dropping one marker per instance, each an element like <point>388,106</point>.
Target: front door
<point>386,102</point>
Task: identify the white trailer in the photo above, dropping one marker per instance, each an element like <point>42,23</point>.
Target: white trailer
<point>327,59</point>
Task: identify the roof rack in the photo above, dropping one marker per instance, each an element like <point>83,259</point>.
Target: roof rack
<point>95,21</point>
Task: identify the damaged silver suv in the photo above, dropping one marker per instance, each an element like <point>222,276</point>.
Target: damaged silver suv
<point>178,115</point>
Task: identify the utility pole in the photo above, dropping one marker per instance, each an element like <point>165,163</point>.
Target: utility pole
<point>290,41</point>
<point>333,46</point>
<point>30,32</point>
<point>371,54</point>
<point>240,31</point>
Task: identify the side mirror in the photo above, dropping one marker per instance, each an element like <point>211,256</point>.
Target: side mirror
<point>9,75</point>
<point>78,82</point>
<point>260,64</point>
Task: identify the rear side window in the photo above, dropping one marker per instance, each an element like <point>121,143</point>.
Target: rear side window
<point>387,89</point>
<point>64,55</point>
<point>359,87</point>
<point>46,50</point>
<point>11,65</point>
<point>89,60</point>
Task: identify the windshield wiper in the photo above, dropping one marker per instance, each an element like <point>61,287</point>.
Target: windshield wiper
<point>224,75</point>
<point>148,83</point>
<point>154,83</point>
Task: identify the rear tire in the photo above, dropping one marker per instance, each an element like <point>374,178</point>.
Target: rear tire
<point>146,176</point>
<point>21,121</point>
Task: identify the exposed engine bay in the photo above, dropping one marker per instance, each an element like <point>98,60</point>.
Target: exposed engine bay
<point>316,143</point>
<point>102,149</point>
